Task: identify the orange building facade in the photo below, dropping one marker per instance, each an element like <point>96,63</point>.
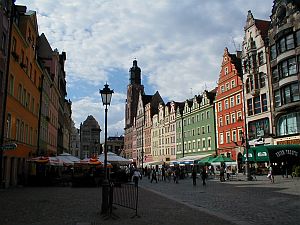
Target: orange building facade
<point>23,97</point>
<point>229,107</point>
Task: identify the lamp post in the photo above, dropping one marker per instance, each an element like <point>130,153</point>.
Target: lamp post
<point>106,94</point>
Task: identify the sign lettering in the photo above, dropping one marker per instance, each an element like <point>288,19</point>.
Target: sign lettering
<point>286,152</point>
<point>289,142</point>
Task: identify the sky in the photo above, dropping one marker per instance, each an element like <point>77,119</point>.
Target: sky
<point>178,45</point>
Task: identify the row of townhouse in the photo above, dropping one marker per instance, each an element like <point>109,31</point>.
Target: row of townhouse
<point>256,100</point>
<point>35,116</point>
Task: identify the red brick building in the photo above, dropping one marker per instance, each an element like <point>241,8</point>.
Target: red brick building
<point>229,107</point>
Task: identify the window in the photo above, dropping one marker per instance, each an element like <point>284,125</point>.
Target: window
<point>291,93</point>
<point>208,129</point>
<point>287,68</point>
<point>198,130</point>
<point>298,37</point>
<point>226,104</point>
<point>221,138</point>
<point>257,105</point>
<point>11,85</point>
<point>264,102</point>
<point>238,99</point>
<point>275,75</point>
<point>203,143</point>
<point>249,107</point>
<point>8,126</point>
<point>258,128</point>
<point>226,70</point>
<point>202,116</point>
<point>227,86</point>
<point>220,122</point>
<point>222,89</point>
<point>231,101</point>
<point>219,106</point>
<point>240,137</point>
<point>208,142</point>
<point>207,115</point>
<point>233,83</point>
<point>233,118</point>
<point>239,116</point>
<point>260,58</point>
<point>203,130</point>
<point>227,119</point>
<point>277,98</point>
<point>20,92</point>
<point>273,52</point>
<point>234,135</point>
<point>262,81</point>
<point>228,137</point>
<point>17,130</point>
<point>286,43</point>
<point>289,124</point>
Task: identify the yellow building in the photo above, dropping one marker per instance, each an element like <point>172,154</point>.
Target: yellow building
<point>23,97</point>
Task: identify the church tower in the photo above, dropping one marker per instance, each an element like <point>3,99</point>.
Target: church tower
<point>133,90</point>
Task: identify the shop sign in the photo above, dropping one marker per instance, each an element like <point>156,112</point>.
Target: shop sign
<point>11,146</point>
<point>289,142</point>
<point>261,154</point>
<point>286,152</point>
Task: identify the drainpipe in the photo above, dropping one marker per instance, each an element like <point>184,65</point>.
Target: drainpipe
<point>40,115</point>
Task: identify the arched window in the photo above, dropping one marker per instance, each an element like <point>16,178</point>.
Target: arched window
<point>288,124</point>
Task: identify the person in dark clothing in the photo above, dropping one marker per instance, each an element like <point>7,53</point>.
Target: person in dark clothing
<point>153,175</point>
<point>203,176</point>
<point>163,174</point>
<point>194,176</point>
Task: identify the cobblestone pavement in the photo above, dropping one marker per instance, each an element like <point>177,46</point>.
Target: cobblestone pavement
<point>243,202</point>
<point>81,206</point>
<point>232,202</point>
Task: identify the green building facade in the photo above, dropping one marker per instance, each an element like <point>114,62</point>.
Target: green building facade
<point>195,126</point>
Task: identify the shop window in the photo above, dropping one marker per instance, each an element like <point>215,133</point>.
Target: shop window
<point>258,128</point>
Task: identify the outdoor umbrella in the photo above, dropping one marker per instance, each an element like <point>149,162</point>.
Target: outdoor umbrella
<point>114,159</point>
<point>206,160</point>
<point>222,159</point>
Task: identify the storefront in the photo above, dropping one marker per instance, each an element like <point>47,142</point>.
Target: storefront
<point>279,156</point>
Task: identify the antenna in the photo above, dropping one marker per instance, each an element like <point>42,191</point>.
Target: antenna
<point>233,42</point>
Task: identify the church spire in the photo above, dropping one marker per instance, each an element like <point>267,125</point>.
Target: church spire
<point>135,73</point>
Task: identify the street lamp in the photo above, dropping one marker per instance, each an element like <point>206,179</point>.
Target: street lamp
<point>106,94</point>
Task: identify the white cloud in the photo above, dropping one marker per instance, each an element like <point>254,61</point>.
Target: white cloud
<point>178,44</point>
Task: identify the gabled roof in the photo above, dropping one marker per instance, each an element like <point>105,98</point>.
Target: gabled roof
<point>236,60</point>
<point>263,26</point>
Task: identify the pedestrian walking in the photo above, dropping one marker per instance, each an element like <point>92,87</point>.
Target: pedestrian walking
<point>203,176</point>
<point>194,176</point>
<point>270,174</point>
<point>153,177</point>
<point>136,176</point>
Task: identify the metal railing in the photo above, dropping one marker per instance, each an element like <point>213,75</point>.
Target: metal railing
<point>125,195</point>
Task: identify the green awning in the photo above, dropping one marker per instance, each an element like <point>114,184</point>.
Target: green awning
<point>251,156</point>
<point>261,154</point>
<point>275,153</point>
